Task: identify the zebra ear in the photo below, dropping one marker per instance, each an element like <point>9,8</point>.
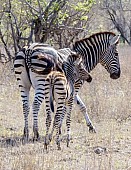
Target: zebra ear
<point>114,40</point>
<point>78,60</point>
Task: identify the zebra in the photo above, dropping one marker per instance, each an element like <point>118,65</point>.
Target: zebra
<point>98,48</point>
<point>60,87</point>
<point>36,57</point>
<point>24,60</point>
<point>63,55</point>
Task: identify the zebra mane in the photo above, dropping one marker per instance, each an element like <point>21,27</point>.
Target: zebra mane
<point>93,36</point>
<point>74,58</point>
<point>31,46</point>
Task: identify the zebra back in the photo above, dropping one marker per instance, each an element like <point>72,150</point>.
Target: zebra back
<point>41,58</point>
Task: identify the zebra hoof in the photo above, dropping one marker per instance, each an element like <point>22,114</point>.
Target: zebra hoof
<point>25,139</point>
<point>59,148</point>
<point>68,141</point>
<point>58,145</point>
<point>46,143</point>
<point>36,137</point>
<point>92,129</point>
<point>36,134</point>
<point>45,146</point>
<point>60,131</point>
<point>50,137</point>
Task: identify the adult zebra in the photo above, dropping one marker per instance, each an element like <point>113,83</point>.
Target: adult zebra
<point>28,57</point>
<point>61,88</point>
<point>98,48</point>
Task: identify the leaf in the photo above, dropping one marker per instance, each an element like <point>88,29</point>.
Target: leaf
<point>84,18</point>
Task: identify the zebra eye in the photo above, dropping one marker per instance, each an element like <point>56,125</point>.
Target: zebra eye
<point>116,53</point>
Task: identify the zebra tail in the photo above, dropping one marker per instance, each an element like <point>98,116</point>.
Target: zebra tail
<point>51,99</point>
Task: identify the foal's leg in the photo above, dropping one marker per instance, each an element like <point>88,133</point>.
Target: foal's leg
<point>83,109</point>
<point>48,121</point>
<point>68,119</point>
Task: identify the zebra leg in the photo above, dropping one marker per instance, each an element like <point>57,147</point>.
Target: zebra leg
<point>83,109</point>
<point>56,124</point>
<point>26,113</point>
<point>61,119</point>
<point>38,99</point>
<point>24,83</point>
<point>25,100</point>
<point>48,136</point>
<point>57,118</point>
<point>35,109</point>
<point>38,84</point>
<point>68,119</point>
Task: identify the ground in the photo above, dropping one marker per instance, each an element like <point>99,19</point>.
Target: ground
<point>109,106</point>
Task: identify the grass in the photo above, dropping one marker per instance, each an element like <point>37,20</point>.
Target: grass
<point>109,106</point>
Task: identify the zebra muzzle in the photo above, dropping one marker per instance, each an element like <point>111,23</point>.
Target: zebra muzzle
<point>115,75</point>
<point>89,79</point>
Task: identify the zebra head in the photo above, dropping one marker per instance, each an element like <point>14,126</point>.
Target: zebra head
<point>74,68</point>
<point>100,48</point>
<point>81,73</point>
<point>110,58</point>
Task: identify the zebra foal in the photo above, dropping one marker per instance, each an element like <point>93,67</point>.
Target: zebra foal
<point>60,87</point>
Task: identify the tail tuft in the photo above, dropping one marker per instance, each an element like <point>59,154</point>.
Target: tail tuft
<point>51,104</point>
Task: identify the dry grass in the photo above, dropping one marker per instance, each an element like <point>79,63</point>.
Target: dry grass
<point>109,107</point>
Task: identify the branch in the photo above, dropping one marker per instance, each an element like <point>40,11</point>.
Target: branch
<point>30,7</point>
<point>5,46</point>
<point>12,28</point>
<point>118,27</point>
<point>55,11</point>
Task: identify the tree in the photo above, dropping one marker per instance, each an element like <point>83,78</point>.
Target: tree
<point>57,22</point>
<point>119,12</point>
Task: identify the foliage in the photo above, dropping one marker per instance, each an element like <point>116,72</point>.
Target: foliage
<point>26,21</point>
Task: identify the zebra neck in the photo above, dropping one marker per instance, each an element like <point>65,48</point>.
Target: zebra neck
<point>90,62</point>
